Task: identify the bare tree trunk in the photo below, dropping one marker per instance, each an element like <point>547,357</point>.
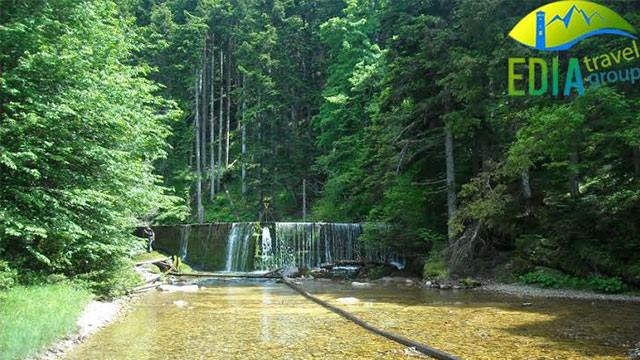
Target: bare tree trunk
<point>304,199</point>
<point>226,157</point>
<point>574,185</point>
<point>244,139</point>
<point>203,117</point>
<point>220,115</point>
<point>451,179</point>
<point>526,184</point>
<point>200,209</point>
<point>212,123</point>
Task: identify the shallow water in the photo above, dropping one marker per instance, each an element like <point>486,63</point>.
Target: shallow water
<point>234,319</point>
<point>477,325</point>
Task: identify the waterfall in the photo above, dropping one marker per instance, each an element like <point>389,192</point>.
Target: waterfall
<point>185,231</point>
<point>247,246</point>
<point>312,244</point>
<point>239,247</point>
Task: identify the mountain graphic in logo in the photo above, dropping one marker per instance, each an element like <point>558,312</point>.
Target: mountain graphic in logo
<point>562,24</point>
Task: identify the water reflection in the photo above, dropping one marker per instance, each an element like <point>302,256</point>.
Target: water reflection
<point>255,319</point>
<point>233,319</point>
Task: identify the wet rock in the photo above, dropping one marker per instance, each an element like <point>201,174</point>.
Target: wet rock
<point>470,283</point>
<point>396,280</point>
<point>176,288</point>
<point>344,272</point>
<point>291,272</point>
<point>527,304</point>
<point>412,352</point>
<point>634,354</point>
<point>445,286</point>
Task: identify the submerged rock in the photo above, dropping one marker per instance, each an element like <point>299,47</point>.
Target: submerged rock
<point>180,303</point>
<point>176,288</point>
<point>348,300</point>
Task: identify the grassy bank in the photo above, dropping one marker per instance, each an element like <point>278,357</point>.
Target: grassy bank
<point>33,317</point>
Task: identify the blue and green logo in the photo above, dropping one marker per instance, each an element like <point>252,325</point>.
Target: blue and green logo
<point>562,24</point>
<point>558,26</point>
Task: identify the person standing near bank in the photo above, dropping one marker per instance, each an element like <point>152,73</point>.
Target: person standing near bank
<point>151,236</point>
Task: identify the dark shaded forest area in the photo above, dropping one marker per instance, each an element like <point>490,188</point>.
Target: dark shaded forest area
<point>114,114</point>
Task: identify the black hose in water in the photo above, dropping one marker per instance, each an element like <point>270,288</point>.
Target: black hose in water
<point>427,350</point>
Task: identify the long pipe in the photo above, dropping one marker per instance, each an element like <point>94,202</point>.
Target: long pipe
<point>427,350</point>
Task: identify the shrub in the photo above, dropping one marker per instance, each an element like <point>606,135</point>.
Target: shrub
<point>435,267</point>
<point>606,285</point>
<point>8,276</point>
<point>550,278</point>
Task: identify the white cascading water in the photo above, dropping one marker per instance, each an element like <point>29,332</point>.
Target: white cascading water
<point>239,247</point>
<point>185,231</point>
<point>313,244</point>
<point>266,245</point>
<point>301,245</point>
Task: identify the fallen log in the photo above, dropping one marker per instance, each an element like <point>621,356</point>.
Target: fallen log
<point>147,262</point>
<point>227,276</point>
<point>425,349</point>
<point>143,288</point>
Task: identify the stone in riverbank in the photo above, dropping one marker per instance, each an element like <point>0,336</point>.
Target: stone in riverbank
<point>356,284</point>
<point>634,354</point>
<point>452,284</point>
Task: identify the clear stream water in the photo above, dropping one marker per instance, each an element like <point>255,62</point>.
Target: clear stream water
<point>247,319</point>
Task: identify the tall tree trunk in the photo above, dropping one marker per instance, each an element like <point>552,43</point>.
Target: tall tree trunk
<point>304,199</point>
<point>212,123</point>
<point>574,160</point>
<point>526,184</point>
<point>203,117</point>
<point>220,116</point>
<point>200,209</point>
<point>226,156</point>
<point>244,140</point>
<point>451,179</point>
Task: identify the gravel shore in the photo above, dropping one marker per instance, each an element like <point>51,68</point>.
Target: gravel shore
<point>96,315</point>
<point>532,291</point>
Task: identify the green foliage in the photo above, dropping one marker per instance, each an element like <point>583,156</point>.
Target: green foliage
<point>8,276</point>
<point>346,97</point>
<point>555,279</point>
<point>34,317</point>
<point>435,267</point>
<point>90,129</point>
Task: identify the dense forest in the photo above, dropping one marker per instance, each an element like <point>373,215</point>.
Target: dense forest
<point>120,113</point>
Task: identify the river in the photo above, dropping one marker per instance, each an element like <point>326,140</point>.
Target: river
<point>263,319</point>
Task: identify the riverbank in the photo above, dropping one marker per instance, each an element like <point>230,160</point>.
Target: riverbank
<point>44,322</point>
<point>521,290</point>
<point>35,316</point>
<point>95,316</point>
